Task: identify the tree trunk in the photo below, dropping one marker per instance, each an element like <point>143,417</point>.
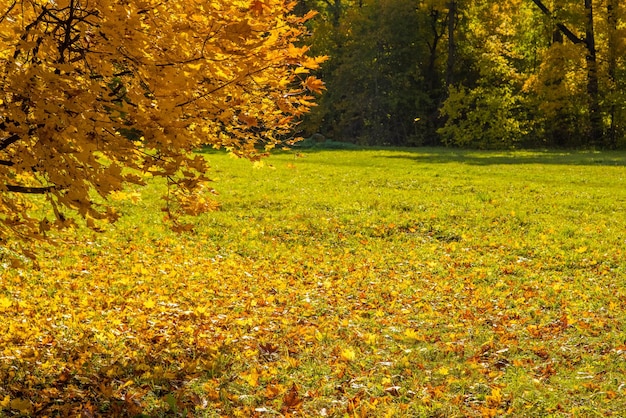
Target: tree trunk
<point>593,91</point>
<point>334,8</point>
<point>452,10</point>
<point>612,13</point>
<point>438,31</point>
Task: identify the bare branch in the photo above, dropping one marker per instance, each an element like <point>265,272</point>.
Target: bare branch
<point>29,190</point>
<point>8,141</point>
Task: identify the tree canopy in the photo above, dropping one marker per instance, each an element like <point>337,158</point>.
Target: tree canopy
<point>96,94</point>
<point>477,73</point>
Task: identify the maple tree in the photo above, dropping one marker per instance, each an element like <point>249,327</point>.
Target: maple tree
<point>98,94</point>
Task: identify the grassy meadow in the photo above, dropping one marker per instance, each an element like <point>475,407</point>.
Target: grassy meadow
<point>337,283</point>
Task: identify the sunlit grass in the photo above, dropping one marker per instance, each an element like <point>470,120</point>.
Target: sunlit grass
<point>367,283</point>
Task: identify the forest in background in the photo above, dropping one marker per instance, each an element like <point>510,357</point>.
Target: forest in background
<point>471,73</point>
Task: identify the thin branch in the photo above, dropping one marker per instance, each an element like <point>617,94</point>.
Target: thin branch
<point>29,190</point>
<point>222,86</point>
<point>4,16</point>
<point>4,144</point>
<point>173,64</point>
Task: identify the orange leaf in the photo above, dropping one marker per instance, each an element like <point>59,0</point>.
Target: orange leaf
<point>292,400</point>
<point>257,7</point>
<point>314,84</point>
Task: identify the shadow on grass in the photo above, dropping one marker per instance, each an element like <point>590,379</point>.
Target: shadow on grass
<point>302,146</point>
<point>472,157</point>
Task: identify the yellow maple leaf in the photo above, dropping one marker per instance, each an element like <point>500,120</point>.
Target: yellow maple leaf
<point>495,398</point>
<point>411,334</point>
<point>251,378</point>
<point>348,354</point>
<point>5,303</point>
<point>444,371</point>
<point>21,405</point>
<point>314,84</point>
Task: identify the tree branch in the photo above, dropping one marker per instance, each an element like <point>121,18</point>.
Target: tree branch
<point>8,11</point>
<point>8,141</point>
<point>28,190</point>
<point>564,29</point>
<point>570,35</point>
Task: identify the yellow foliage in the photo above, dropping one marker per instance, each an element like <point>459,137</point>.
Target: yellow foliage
<point>94,90</point>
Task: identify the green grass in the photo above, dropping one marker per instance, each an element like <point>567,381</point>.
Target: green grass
<point>407,282</point>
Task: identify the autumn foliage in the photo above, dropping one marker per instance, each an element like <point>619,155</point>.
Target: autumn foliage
<point>97,94</point>
<point>478,73</point>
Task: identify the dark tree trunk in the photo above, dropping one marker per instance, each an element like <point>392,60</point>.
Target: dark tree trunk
<point>438,28</point>
<point>593,91</point>
<point>452,11</point>
<point>595,116</point>
<point>335,8</point>
<point>612,13</point>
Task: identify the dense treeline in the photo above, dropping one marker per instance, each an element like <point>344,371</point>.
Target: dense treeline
<point>479,73</point>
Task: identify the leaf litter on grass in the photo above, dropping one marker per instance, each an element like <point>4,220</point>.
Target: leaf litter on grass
<point>343,283</point>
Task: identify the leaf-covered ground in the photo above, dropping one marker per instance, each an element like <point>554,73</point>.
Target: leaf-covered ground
<point>338,283</point>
